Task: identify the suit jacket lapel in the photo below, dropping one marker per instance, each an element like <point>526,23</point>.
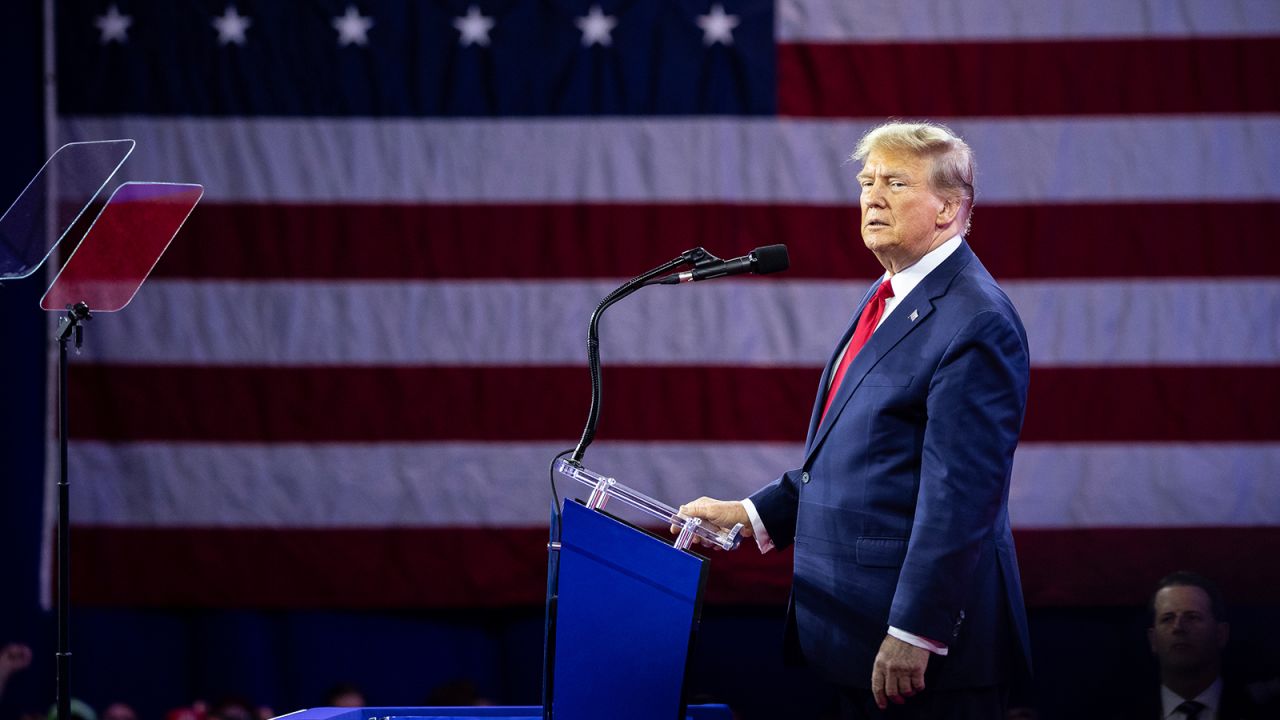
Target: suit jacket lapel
<point>831,366</point>
<point>889,334</point>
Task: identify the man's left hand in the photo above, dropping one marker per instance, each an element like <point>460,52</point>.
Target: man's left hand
<point>898,672</point>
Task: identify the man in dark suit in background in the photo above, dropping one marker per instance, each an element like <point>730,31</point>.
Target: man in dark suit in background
<point>906,592</point>
<point>1188,634</point>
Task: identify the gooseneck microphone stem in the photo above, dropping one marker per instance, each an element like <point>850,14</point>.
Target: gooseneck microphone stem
<point>695,255</point>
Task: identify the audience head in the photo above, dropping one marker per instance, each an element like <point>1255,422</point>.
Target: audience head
<point>344,695</point>
<point>119,711</point>
<point>1188,624</point>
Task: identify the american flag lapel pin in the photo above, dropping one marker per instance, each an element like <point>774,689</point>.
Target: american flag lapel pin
<point>914,314</point>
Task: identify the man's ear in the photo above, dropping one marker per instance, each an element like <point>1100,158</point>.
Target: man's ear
<point>1224,631</point>
<point>1151,639</point>
<point>950,209</point>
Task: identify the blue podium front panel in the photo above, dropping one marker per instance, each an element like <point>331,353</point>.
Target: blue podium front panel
<point>696,712</point>
<point>628,605</point>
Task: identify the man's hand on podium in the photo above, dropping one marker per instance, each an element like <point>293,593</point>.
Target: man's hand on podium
<point>724,513</point>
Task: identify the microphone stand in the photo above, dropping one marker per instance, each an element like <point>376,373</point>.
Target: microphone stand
<point>697,256</point>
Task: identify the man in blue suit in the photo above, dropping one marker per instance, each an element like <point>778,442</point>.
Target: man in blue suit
<point>906,592</point>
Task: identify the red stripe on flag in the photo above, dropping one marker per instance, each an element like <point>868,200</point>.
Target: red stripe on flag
<point>510,404</point>
<point>474,567</point>
<point>246,241</point>
<point>297,568</point>
<point>1145,404</point>
<point>513,404</point>
<point>1120,566</point>
<point>1094,77</point>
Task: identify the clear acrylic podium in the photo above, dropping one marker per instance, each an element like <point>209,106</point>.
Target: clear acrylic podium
<point>627,606</point>
<point>604,488</point>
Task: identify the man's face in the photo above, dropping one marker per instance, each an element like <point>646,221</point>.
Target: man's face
<point>900,210</point>
<point>1186,636</point>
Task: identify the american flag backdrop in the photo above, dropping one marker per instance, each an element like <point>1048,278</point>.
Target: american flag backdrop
<point>343,384</point>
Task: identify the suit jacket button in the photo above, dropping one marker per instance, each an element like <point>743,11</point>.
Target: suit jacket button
<point>804,477</point>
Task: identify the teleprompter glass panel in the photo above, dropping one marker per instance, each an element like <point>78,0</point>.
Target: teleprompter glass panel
<point>123,245</point>
<point>52,202</point>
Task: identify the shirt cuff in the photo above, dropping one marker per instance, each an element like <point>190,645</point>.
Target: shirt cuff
<point>757,527</point>
<point>932,646</point>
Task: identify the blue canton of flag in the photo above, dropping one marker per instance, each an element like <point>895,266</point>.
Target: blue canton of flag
<point>402,58</point>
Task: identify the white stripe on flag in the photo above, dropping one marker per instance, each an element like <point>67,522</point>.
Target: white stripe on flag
<point>1139,485</point>
<point>387,484</point>
<point>788,323</point>
<point>505,485</point>
<point>1150,322</point>
<point>682,160</point>
<point>950,21</point>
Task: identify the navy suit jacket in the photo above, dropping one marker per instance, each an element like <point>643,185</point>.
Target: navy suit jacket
<point>899,513</point>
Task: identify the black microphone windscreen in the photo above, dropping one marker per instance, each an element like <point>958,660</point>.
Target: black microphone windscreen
<point>771,259</point>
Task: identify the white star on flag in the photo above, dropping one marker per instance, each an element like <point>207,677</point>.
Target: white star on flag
<point>596,27</point>
<point>717,27</point>
<point>231,26</point>
<point>353,28</point>
<point>114,26</point>
<point>473,27</point>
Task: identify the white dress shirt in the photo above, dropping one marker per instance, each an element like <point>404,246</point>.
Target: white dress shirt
<point>902,283</point>
<point>1211,698</point>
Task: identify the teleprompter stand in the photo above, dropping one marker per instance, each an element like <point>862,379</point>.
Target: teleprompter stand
<point>104,272</point>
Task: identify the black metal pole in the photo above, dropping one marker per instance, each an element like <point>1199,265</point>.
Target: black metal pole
<point>71,323</point>
<point>64,542</point>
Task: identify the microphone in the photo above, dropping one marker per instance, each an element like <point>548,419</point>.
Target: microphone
<point>761,261</point>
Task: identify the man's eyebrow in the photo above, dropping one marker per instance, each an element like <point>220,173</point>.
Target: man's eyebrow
<point>890,172</point>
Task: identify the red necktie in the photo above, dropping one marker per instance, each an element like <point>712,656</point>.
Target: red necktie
<point>866,325</point>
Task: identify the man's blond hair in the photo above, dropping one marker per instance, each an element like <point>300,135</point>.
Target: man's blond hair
<point>953,166</point>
